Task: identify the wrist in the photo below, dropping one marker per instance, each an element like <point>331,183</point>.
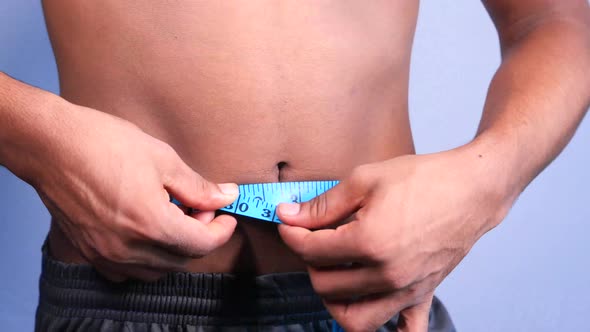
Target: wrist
<point>492,166</point>
<point>29,125</point>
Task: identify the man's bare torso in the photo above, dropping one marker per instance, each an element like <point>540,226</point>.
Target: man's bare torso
<point>245,91</point>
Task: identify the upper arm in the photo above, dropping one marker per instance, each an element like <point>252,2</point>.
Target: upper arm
<point>514,18</point>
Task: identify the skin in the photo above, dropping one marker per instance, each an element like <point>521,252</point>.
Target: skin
<point>235,105</point>
<point>189,99</point>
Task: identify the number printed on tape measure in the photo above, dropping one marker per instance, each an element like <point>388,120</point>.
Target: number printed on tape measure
<point>260,200</point>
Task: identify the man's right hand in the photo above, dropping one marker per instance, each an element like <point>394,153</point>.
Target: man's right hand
<point>108,184</point>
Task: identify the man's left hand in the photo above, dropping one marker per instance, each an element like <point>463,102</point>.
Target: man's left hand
<point>384,238</point>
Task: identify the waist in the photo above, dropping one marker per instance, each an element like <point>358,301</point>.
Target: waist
<point>75,290</point>
<point>244,143</point>
<point>255,247</point>
<point>231,143</point>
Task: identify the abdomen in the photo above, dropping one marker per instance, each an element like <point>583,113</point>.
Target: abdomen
<point>241,87</point>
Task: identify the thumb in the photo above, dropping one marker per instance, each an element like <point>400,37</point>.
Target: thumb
<point>192,190</point>
<point>324,210</point>
<point>415,319</point>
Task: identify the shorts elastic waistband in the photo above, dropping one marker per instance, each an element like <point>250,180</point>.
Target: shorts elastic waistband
<point>69,290</point>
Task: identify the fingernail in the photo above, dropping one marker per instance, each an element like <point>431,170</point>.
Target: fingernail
<point>289,209</point>
<point>229,189</point>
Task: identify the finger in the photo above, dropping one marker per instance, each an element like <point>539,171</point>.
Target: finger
<point>325,247</point>
<point>194,191</point>
<point>416,318</point>
<point>154,257</point>
<point>149,264</point>
<point>324,210</point>
<point>204,216</point>
<point>345,283</point>
<point>375,310</point>
<point>367,314</point>
<point>187,236</point>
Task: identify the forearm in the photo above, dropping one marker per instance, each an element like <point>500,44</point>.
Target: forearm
<point>29,124</point>
<point>536,100</point>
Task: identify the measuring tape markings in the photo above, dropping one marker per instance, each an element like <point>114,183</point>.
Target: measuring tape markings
<point>259,200</point>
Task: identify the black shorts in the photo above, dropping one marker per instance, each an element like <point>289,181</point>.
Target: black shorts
<point>76,298</point>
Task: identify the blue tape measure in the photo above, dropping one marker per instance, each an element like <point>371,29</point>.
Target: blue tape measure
<point>259,200</point>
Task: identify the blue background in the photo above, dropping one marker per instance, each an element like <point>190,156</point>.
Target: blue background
<point>528,274</point>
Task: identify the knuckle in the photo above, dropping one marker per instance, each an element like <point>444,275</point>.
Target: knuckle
<point>173,264</point>
<point>168,159</point>
<point>305,253</point>
<point>369,250</point>
<point>148,234</point>
<point>319,286</point>
<point>175,243</point>
<point>151,229</point>
<point>114,252</point>
<point>180,245</point>
<point>359,173</point>
<point>208,244</point>
<point>91,255</point>
<point>415,293</point>
<point>138,227</point>
<point>353,324</point>
<point>425,299</point>
<point>318,207</point>
<point>321,290</point>
<point>202,185</point>
<point>164,150</point>
<point>396,280</point>
<point>115,255</point>
<point>137,215</point>
<point>307,258</point>
<point>362,176</point>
